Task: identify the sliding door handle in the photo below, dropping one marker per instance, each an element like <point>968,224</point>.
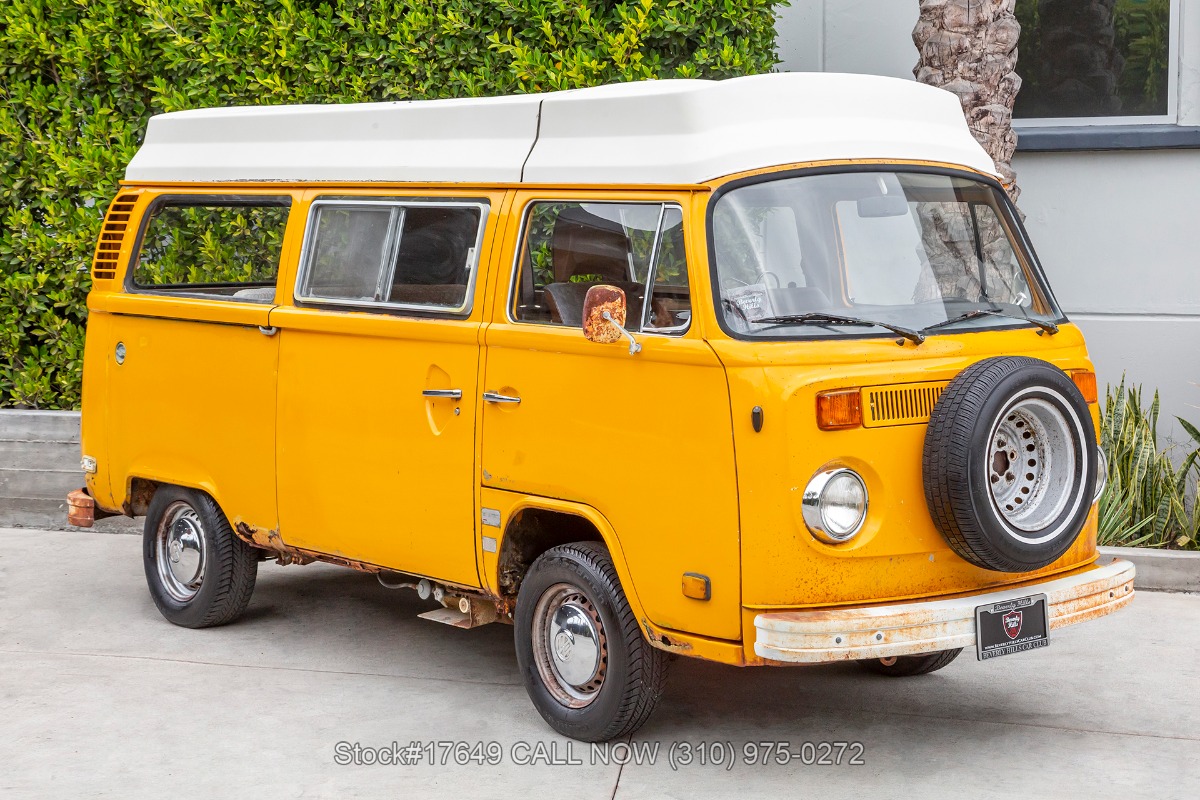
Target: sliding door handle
<point>453,394</point>
<point>496,397</point>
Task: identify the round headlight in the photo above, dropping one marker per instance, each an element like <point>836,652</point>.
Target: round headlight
<point>1101,474</point>
<point>835,505</point>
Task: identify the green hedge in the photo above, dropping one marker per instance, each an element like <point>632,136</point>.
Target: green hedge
<point>79,78</point>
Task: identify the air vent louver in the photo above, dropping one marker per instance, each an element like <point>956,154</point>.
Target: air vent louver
<point>104,265</point>
<point>902,404</point>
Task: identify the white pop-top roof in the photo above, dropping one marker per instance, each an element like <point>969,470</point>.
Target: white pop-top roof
<point>650,132</point>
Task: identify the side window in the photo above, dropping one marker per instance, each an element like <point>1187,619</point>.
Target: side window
<point>392,254</point>
<point>349,247</point>
<point>436,256</point>
<point>224,249</point>
<point>570,247</point>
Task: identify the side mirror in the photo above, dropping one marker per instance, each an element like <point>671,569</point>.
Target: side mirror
<point>604,317</point>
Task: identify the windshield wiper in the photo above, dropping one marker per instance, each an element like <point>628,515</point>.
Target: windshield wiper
<point>819,318</point>
<point>1048,327</point>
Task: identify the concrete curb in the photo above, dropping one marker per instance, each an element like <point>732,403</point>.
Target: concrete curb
<point>39,464</point>
<point>1159,570</point>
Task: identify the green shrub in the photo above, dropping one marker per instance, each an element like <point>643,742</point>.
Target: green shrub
<point>1149,501</point>
<point>79,79</point>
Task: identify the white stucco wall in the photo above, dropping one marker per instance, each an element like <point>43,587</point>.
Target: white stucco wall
<point>872,37</point>
<point>1119,235</point>
<point>1118,231</point>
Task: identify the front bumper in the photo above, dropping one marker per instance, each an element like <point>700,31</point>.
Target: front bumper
<point>844,634</point>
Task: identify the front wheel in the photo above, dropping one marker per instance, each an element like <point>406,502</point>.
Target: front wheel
<point>588,669</point>
<point>200,574</point>
<point>904,666</point>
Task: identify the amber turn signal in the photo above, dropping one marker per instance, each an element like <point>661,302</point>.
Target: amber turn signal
<point>839,409</point>
<point>697,586</point>
<point>1085,381</point>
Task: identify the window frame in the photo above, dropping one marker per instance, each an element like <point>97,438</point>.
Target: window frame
<point>285,201</point>
<point>518,256</point>
<point>1171,117</point>
<point>394,235</point>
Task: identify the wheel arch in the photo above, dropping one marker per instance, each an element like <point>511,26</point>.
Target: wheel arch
<point>141,485</point>
<point>536,524</point>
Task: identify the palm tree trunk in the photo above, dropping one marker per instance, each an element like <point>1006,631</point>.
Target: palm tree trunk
<point>969,47</point>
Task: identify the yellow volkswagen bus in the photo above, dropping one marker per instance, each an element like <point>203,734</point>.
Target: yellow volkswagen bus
<point>760,371</point>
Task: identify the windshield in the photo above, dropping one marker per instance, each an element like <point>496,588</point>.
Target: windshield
<point>911,250</point>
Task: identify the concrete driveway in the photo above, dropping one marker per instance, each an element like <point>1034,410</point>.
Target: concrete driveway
<point>99,695</point>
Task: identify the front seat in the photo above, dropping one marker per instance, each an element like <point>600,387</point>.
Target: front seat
<point>584,244</point>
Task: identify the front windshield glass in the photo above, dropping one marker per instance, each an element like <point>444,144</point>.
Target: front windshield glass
<point>907,249</point>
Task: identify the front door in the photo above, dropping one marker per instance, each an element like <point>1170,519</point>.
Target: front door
<point>643,438</point>
<point>378,367</point>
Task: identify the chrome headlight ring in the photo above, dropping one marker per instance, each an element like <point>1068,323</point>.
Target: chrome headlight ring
<point>835,504</point>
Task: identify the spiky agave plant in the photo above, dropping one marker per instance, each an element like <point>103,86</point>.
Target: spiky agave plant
<point>1146,502</point>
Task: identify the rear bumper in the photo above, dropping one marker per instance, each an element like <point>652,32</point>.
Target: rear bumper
<point>845,634</point>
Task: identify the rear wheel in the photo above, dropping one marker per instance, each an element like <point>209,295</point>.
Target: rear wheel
<point>200,574</point>
<point>588,669</point>
<point>904,666</point>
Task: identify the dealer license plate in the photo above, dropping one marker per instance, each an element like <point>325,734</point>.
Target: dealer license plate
<point>1013,626</point>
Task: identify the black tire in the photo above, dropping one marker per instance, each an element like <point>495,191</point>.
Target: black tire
<point>904,666</point>
<point>966,453</point>
<point>228,566</point>
<point>631,674</point>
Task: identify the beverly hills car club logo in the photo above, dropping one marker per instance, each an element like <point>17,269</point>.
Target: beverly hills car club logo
<point>1012,624</point>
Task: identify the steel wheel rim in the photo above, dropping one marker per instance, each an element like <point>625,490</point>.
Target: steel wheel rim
<point>1031,464</point>
<point>179,551</point>
<point>570,647</point>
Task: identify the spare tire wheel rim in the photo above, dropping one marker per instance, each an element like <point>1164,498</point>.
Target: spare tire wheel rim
<point>1031,464</point>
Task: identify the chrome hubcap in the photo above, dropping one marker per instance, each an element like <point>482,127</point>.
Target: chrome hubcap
<point>569,645</point>
<point>1031,464</point>
<point>179,552</point>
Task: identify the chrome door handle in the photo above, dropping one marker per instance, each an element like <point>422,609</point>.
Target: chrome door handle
<point>496,397</point>
<point>453,394</point>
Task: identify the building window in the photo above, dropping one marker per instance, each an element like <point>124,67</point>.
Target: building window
<point>1089,61</point>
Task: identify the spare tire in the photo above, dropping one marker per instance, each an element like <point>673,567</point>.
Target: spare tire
<point>1010,463</point>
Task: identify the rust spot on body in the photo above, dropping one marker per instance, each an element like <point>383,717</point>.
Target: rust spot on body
<point>663,642</point>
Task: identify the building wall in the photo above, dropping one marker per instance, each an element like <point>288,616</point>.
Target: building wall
<point>1117,231</point>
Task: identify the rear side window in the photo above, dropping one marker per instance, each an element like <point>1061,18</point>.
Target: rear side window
<point>223,248</point>
<point>392,254</point>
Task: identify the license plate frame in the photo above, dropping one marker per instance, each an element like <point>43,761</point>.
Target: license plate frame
<point>1012,626</point>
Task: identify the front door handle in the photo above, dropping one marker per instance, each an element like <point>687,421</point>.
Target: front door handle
<point>496,397</point>
<point>453,394</point>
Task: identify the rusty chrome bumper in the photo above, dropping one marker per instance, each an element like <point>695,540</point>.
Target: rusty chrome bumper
<point>844,634</point>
